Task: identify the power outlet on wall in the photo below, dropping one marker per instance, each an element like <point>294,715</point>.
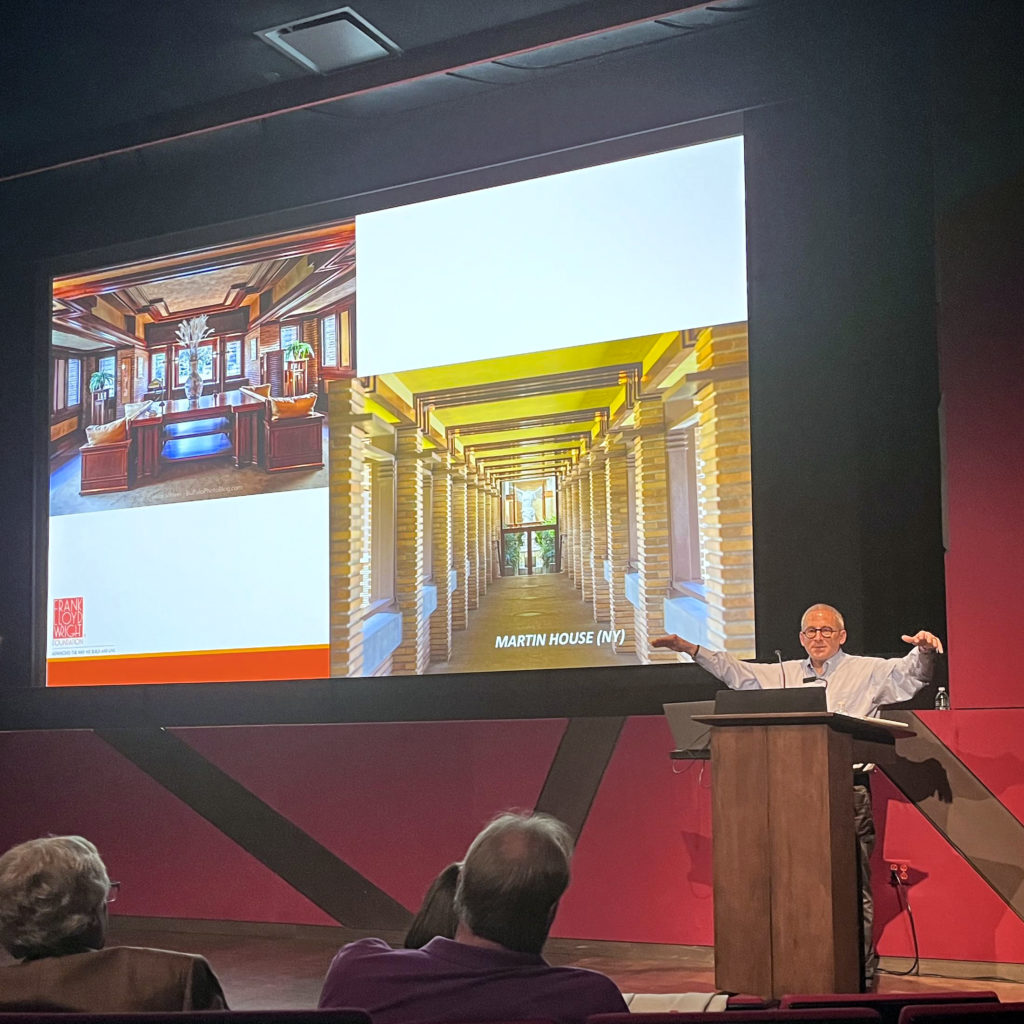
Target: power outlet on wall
<point>899,872</point>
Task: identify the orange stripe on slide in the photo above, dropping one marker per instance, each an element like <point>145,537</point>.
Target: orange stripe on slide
<point>192,667</point>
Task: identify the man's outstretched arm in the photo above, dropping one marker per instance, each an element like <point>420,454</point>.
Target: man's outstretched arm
<point>676,643</point>
<point>912,672</point>
<point>736,674</point>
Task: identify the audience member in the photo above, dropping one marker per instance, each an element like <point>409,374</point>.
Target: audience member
<point>437,914</point>
<point>512,878</point>
<point>53,919</point>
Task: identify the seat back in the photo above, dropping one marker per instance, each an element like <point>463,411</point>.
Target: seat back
<point>343,1016</point>
<point>888,1004</point>
<point>964,1013</point>
<point>851,1015</point>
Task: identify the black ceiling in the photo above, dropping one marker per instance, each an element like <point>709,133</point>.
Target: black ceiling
<point>79,79</point>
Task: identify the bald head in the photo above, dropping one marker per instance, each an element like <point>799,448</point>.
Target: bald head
<point>514,873</point>
<point>826,609</point>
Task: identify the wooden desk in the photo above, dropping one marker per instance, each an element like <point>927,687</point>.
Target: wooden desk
<point>208,427</point>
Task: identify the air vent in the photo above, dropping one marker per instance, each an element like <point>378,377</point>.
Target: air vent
<point>330,41</point>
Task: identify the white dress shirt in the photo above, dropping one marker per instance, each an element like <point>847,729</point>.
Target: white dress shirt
<point>854,685</point>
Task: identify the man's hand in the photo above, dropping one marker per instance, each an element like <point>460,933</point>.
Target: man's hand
<point>925,640</point>
<point>676,643</point>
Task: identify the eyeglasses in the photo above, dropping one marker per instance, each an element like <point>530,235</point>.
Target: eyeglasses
<point>113,892</point>
<point>824,631</point>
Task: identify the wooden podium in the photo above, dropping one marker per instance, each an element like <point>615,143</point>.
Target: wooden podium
<point>784,848</point>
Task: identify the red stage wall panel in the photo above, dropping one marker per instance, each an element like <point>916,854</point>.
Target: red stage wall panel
<point>958,916</point>
<point>981,334</point>
<point>642,870</point>
<point>990,744</point>
<point>396,802</point>
<point>172,863</point>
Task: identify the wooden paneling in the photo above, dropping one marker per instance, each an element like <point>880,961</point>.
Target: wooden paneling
<point>784,859</point>
<point>739,818</point>
<point>105,467</point>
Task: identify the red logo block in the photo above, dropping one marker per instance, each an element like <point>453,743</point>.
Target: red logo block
<point>67,617</point>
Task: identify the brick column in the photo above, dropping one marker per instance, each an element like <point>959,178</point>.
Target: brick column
<point>483,536</point>
<point>410,658</point>
<point>725,508</point>
<point>460,551</point>
<point>599,537</point>
<point>567,522</point>
<point>346,418</point>
<point>473,541</point>
<point>617,512</point>
<point>654,556</point>
<point>495,507</point>
<point>441,550</point>
<point>586,572</point>
<point>683,498</point>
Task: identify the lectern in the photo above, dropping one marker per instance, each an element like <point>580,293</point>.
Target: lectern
<point>784,849</point>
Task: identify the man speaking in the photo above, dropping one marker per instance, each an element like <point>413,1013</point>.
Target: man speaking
<point>854,685</point>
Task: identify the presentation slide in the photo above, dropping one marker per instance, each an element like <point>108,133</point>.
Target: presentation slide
<point>506,429</point>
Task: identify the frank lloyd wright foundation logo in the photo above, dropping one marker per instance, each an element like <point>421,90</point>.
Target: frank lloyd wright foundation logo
<point>67,618</point>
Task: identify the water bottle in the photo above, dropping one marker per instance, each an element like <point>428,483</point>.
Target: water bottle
<point>941,699</point>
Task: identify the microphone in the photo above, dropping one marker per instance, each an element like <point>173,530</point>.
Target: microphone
<point>782,671</point>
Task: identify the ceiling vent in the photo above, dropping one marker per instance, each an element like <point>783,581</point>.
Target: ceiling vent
<point>330,41</point>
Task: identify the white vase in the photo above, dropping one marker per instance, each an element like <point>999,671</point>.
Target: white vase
<point>193,382</point>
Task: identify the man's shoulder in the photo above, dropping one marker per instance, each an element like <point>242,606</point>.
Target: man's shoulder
<point>148,953</point>
<point>368,947</point>
<point>111,957</point>
<point>863,660</point>
<point>584,976</point>
<point>590,988</point>
<point>368,951</point>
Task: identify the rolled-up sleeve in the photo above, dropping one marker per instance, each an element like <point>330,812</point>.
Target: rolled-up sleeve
<point>903,677</point>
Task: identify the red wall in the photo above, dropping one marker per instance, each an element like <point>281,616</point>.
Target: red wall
<point>398,801</point>
<point>981,338</point>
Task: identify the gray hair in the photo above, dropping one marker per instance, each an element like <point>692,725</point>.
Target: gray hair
<point>512,878</point>
<point>51,893</point>
<point>823,608</point>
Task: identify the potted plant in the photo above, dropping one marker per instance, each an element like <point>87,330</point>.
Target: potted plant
<point>513,548</point>
<point>100,386</point>
<point>101,380</point>
<point>546,540</point>
<point>298,351</point>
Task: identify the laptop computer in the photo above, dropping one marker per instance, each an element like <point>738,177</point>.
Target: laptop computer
<point>691,738</point>
<point>774,701</point>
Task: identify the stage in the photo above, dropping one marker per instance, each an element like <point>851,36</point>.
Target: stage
<point>273,966</point>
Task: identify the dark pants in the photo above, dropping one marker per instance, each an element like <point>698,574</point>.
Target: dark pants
<point>864,826</point>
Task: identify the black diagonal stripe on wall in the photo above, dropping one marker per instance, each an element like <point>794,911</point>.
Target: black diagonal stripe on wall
<point>272,839</point>
<point>577,769</point>
<point>965,811</point>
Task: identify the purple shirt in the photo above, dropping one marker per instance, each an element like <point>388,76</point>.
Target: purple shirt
<point>451,981</point>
